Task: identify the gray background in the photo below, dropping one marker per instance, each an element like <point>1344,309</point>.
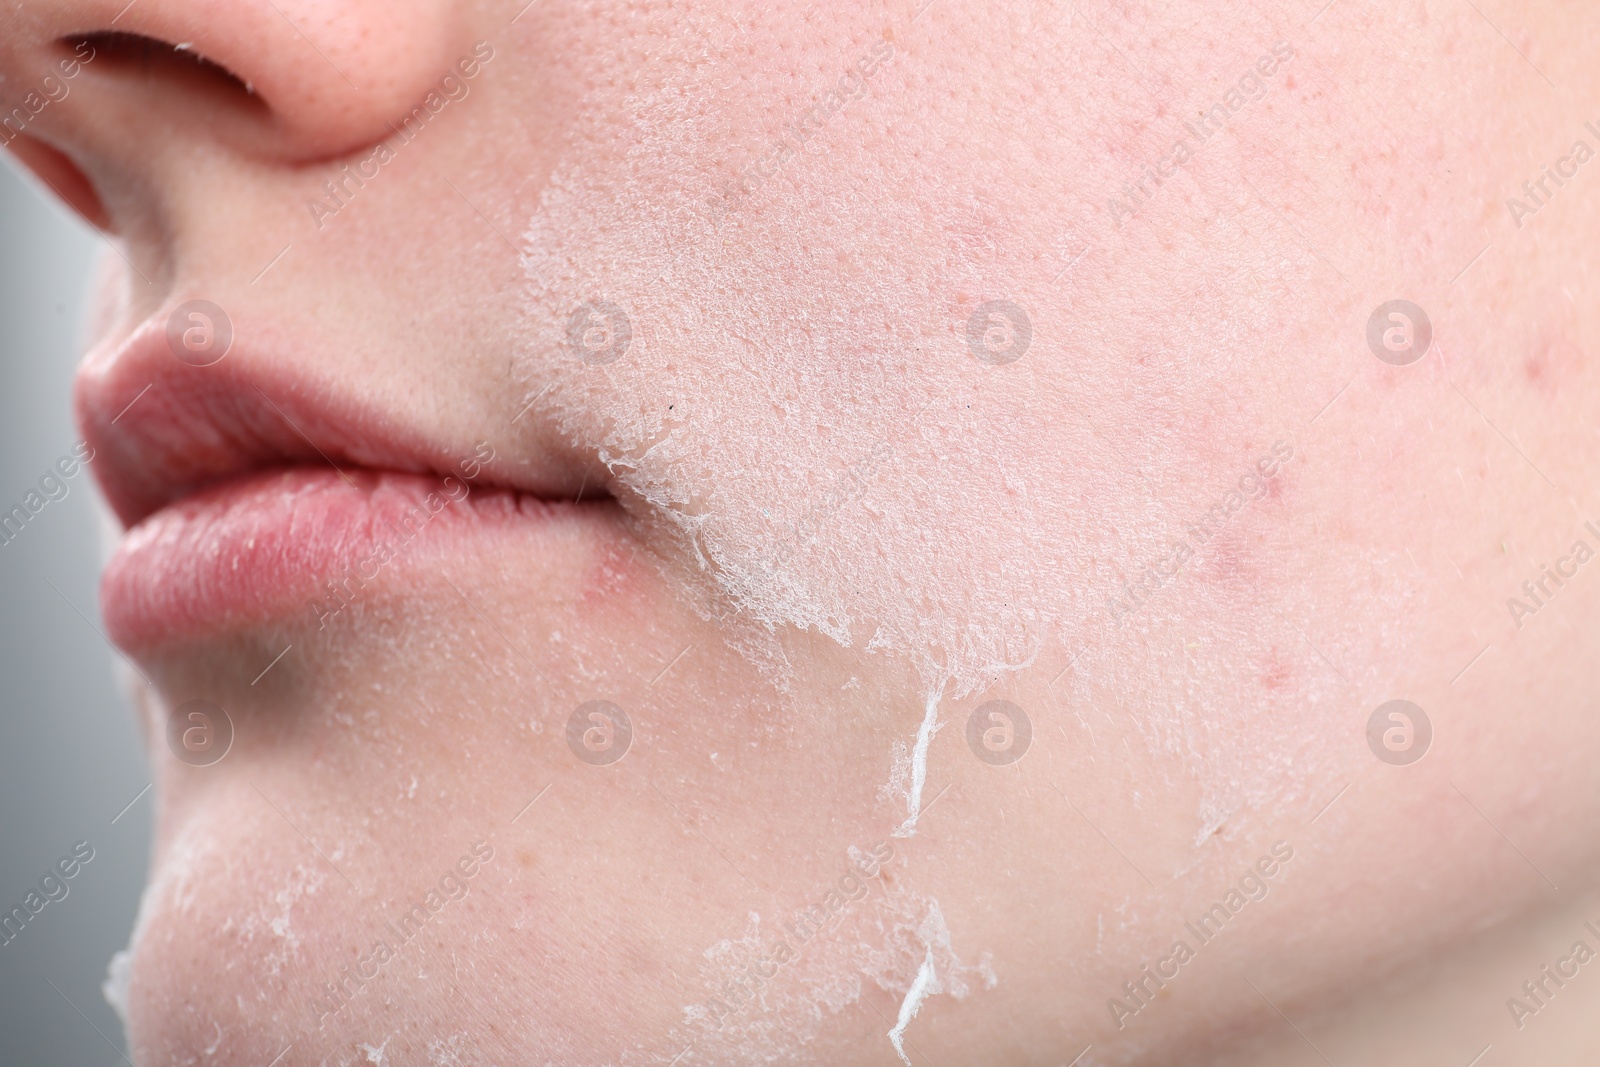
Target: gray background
<point>69,755</point>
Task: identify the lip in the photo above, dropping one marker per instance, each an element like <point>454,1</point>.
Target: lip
<point>297,543</point>
<point>249,485</point>
<point>163,429</point>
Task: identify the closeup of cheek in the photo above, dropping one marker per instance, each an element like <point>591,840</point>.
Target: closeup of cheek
<point>283,904</point>
<point>895,431</point>
<point>847,371</point>
<point>890,387</point>
<point>908,398</point>
<point>864,412</point>
<point>252,941</point>
<point>370,838</point>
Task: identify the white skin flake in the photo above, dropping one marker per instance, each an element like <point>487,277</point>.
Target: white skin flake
<point>921,986</point>
<point>888,938</point>
<point>919,767</point>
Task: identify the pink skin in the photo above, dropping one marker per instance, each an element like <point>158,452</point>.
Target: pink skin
<point>799,361</point>
<point>262,548</point>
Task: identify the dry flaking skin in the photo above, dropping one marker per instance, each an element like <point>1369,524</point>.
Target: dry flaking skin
<point>882,943</point>
<point>853,506</point>
<point>804,406</point>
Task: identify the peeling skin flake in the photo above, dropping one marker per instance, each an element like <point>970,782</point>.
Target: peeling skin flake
<point>921,986</point>
<point>115,986</point>
<point>919,767</point>
<point>885,938</point>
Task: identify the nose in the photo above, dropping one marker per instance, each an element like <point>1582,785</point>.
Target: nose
<point>98,96</point>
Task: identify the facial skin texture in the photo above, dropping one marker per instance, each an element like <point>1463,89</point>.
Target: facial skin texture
<point>798,510</point>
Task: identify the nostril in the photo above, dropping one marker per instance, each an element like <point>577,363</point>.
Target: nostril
<point>134,54</point>
<point>280,81</point>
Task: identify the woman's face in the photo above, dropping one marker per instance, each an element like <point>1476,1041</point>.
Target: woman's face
<point>596,468</point>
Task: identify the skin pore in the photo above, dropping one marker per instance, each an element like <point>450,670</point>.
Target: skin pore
<point>812,515</point>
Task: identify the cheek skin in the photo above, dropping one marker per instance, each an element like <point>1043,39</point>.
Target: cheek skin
<point>614,574</point>
<point>823,319</point>
<point>247,920</point>
<point>390,762</point>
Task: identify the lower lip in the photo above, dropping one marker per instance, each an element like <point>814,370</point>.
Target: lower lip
<point>290,546</point>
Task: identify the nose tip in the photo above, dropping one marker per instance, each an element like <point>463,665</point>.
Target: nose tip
<point>295,80</point>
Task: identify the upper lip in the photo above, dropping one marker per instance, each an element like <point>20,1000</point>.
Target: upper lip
<point>162,429</point>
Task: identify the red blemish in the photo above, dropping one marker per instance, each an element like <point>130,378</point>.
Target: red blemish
<point>611,572</point>
<point>1552,359</point>
<point>1275,670</point>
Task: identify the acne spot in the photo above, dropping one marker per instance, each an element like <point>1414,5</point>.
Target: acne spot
<point>1275,670</point>
<point>611,573</point>
<point>1550,362</point>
